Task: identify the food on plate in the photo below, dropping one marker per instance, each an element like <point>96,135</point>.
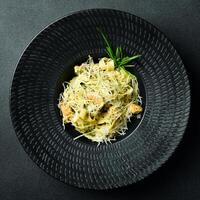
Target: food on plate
<point>102,97</point>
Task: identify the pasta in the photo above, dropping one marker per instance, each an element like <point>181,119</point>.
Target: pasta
<point>100,100</point>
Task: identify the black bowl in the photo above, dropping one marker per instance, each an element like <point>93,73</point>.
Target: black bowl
<point>49,60</point>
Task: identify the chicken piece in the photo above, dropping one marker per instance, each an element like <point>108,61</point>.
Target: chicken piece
<point>135,108</point>
<point>94,104</point>
<point>95,99</point>
<point>66,111</point>
<point>106,64</point>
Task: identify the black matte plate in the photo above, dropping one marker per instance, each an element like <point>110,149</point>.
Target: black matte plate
<point>49,60</point>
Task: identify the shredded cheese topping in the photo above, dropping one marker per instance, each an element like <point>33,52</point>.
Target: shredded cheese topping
<point>100,100</point>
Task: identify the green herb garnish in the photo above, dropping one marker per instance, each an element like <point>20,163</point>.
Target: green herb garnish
<point>117,56</point>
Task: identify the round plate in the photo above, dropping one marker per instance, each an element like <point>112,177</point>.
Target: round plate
<point>49,60</point>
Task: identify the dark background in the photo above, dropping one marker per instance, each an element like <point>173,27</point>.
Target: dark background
<point>20,178</point>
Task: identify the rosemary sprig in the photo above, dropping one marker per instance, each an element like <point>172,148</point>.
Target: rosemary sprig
<point>117,56</point>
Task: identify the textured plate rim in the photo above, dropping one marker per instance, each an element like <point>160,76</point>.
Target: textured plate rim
<point>172,149</point>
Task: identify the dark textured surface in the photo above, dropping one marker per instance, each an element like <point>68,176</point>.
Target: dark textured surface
<point>39,75</point>
<point>20,179</point>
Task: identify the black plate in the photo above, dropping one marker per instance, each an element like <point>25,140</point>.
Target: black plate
<point>49,60</point>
